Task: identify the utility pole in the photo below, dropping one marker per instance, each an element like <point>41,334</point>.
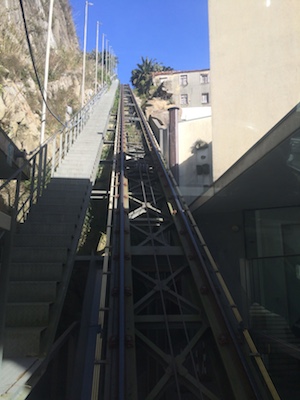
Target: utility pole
<point>106,52</point>
<point>102,60</point>
<point>8,12</point>
<point>109,63</point>
<point>96,69</point>
<point>84,51</point>
<point>46,73</point>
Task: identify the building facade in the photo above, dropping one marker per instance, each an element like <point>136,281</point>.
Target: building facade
<point>250,219</point>
<point>250,216</point>
<point>255,58</point>
<point>188,88</point>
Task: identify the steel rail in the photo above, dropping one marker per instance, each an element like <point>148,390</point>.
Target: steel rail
<point>122,150</point>
<point>99,364</point>
<point>105,381</point>
<point>216,284</point>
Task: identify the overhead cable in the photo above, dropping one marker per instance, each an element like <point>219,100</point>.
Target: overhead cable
<point>34,65</point>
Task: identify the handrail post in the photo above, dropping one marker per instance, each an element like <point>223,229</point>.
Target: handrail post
<point>70,128</point>
<point>60,147</point>
<point>45,172</point>
<point>53,156</point>
<point>32,182</point>
<point>39,172</point>
<point>81,120</point>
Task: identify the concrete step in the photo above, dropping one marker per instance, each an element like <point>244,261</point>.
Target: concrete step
<point>24,341</point>
<point>66,190</point>
<point>36,240</point>
<point>68,184</point>
<point>40,254</point>
<point>46,209</point>
<point>51,198</point>
<point>48,229</point>
<point>83,152</point>
<point>27,314</point>
<point>75,172</point>
<point>79,158</point>
<point>53,218</point>
<point>74,167</point>
<point>29,291</point>
<point>69,192</point>
<point>83,174</point>
<point>24,271</point>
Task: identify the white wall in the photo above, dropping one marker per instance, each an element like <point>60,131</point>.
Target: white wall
<point>255,72</point>
<point>191,184</point>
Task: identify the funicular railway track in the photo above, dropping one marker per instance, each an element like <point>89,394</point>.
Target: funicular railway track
<point>170,329</point>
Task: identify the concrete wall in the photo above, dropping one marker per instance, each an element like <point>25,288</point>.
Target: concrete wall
<point>255,72</point>
<point>161,133</point>
<point>188,113</point>
<point>191,183</point>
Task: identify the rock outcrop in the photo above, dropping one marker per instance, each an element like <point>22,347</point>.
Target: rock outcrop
<point>20,97</point>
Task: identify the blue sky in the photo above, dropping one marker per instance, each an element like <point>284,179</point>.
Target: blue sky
<point>174,32</point>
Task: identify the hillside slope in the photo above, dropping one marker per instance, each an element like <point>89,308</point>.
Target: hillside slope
<point>20,98</point>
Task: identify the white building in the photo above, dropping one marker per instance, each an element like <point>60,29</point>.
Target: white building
<point>188,88</point>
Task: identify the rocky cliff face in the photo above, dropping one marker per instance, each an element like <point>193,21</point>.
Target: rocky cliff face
<point>36,13</point>
<point>20,99</point>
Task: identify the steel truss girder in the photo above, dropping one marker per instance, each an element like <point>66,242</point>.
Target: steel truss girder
<point>188,318</point>
<point>233,341</point>
<point>168,304</point>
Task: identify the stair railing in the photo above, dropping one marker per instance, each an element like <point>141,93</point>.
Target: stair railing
<point>23,189</point>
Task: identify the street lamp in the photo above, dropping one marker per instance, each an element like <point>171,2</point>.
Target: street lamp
<point>109,63</point>
<point>106,58</point>
<point>102,60</point>
<point>46,73</point>
<point>97,51</point>
<point>84,51</point>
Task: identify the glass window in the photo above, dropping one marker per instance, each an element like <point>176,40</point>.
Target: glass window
<point>183,80</point>
<point>184,99</point>
<point>205,98</point>
<point>204,78</point>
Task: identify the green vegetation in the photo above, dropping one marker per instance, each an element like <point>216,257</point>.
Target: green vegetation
<point>141,78</point>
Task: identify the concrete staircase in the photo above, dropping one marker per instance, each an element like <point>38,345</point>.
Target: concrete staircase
<point>40,270</point>
<point>44,248</point>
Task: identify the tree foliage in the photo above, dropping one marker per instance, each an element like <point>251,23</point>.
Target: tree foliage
<point>141,77</point>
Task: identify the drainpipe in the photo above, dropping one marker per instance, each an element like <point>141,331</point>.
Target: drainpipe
<point>173,142</point>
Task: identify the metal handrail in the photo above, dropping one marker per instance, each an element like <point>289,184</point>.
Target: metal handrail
<point>44,161</point>
<point>26,185</point>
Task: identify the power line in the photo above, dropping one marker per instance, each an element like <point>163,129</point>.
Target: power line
<point>34,65</point>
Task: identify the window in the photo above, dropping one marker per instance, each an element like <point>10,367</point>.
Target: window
<point>184,99</point>
<point>205,98</point>
<point>204,78</point>
<point>183,80</point>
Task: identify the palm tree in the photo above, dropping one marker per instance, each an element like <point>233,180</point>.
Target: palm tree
<point>141,77</point>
